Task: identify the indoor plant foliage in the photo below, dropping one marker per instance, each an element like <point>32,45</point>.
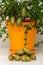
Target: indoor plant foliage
<point>19,12</point>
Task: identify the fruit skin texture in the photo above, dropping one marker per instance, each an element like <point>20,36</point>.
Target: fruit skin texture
<point>10,57</point>
<point>19,52</point>
<point>19,21</point>
<point>17,57</point>
<point>25,58</point>
<point>20,55</point>
<point>27,51</point>
<point>33,57</point>
<point>23,13</point>
<point>3,10</point>
<point>12,20</point>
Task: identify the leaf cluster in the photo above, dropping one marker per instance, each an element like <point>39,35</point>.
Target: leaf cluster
<point>34,10</point>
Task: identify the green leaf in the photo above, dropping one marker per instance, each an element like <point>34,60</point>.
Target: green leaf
<point>26,32</point>
<point>0,35</point>
<point>25,39</point>
<point>28,27</point>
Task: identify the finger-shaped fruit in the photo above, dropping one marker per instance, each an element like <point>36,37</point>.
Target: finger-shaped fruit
<point>23,12</point>
<point>12,20</point>
<point>27,51</point>
<point>19,21</point>
<point>17,57</point>
<point>25,58</point>
<point>3,10</point>
<point>19,52</point>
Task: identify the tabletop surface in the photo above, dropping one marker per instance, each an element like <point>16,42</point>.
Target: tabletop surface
<point>4,52</point>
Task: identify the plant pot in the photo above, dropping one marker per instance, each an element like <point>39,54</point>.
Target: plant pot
<point>16,36</point>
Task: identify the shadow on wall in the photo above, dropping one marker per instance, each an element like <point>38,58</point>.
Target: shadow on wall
<point>39,38</point>
<point>4,44</point>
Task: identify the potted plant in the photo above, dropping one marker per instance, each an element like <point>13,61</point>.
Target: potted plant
<point>25,19</point>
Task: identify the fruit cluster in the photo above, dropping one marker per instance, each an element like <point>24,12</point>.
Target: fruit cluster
<point>24,55</point>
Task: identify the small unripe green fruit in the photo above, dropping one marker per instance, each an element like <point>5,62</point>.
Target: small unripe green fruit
<point>4,10</point>
<point>17,57</point>
<point>12,20</point>
<point>25,58</point>
<point>33,57</point>
<point>27,51</point>
<point>10,57</point>
<point>19,52</point>
<point>19,21</point>
<point>23,12</point>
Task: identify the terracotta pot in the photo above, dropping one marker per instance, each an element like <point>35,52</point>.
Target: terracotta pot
<point>16,36</point>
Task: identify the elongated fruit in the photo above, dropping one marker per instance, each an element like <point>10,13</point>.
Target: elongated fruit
<point>19,52</point>
<point>23,12</point>
<point>12,20</point>
<point>3,10</point>
<point>27,51</point>
<point>25,58</point>
<point>19,21</point>
<point>17,57</point>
